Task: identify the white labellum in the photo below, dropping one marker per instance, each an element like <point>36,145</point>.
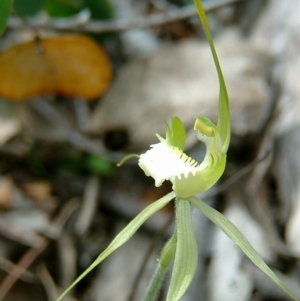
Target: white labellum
<point>164,162</point>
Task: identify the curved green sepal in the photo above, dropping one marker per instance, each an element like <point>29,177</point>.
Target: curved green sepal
<point>239,239</point>
<point>124,236</point>
<point>126,158</point>
<point>224,111</point>
<point>186,257</point>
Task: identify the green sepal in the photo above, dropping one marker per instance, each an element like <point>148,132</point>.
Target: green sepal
<point>186,257</point>
<point>239,239</point>
<point>124,236</point>
<point>223,111</point>
<point>175,134</point>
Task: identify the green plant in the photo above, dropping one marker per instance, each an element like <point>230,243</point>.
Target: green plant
<point>167,161</point>
<point>5,7</point>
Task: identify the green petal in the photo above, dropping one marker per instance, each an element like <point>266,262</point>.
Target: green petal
<point>224,111</point>
<point>124,236</point>
<point>186,257</point>
<point>176,134</point>
<point>238,238</point>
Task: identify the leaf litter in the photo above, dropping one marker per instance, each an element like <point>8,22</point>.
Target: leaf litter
<point>134,105</point>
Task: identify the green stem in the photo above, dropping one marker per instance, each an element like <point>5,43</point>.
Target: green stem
<point>186,257</point>
<point>164,262</point>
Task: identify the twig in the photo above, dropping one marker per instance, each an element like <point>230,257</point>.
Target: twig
<point>89,205</point>
<point>75,24</point>
<point>18,233</point>
<point>48,283</point>
<point>237,176</point>
<point>34,252</point>
<point>21,267</point>
<point>7,266</point>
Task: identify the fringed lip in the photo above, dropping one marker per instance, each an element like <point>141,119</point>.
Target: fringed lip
<point>165,162</point>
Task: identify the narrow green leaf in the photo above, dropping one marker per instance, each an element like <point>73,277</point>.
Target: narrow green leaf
<point>238,238</point>
<point>186,257</point>
<point>126,158</point>
<point>224,111</point>
<point>124,236</point>
<point>5,7</point>
<point>164,262</point>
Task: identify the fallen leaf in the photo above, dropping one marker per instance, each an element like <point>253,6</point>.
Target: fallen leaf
<point>70,65</point>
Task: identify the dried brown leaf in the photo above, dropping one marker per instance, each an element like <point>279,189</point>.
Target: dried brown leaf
<point>69,65</point>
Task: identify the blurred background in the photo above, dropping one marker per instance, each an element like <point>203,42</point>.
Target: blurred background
<point>85,82</point>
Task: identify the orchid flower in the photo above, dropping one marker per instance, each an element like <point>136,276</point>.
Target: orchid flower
<point>166,160</point>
